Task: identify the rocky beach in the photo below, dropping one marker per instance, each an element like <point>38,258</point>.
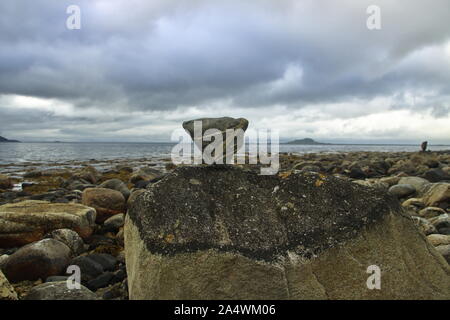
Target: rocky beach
<point>123,222</point>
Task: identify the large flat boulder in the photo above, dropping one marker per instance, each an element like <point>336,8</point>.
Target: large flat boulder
<point>226,233</point>
<point>28,221</point>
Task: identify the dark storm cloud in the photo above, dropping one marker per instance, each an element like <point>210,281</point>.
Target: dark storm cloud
<point>161,55</point>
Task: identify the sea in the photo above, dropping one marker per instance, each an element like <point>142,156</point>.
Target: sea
<point>22,153</point>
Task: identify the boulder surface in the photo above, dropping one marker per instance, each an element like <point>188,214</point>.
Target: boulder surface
<point>59,291</point>
<point>234,234</point>
<point>28,221</point>
<point>107,202</point>
<point>37,260</point>
<point>6,290</point>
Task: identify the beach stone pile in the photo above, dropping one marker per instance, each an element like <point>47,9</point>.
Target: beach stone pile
<point>419,180</point>
<point>78,221</point>
<point>210,232</point>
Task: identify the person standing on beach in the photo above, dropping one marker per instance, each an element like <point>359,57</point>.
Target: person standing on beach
<point>424,146</point>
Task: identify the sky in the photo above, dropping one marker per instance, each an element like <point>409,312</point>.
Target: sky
<point>137,69</point>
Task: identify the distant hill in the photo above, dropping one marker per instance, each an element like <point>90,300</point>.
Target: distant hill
<point>307,141</point>
<point>6,140</point>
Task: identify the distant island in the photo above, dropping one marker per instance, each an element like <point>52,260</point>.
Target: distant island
<point>307,141</point>
<point>6,140</point>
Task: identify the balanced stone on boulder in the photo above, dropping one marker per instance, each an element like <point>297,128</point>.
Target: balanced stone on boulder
<point>222,125</point>
<point>239,235</point>
<point>28,221</point>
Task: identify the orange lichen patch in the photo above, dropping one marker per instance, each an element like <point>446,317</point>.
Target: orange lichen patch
<point>285,175</point>
<point>321,180</point>
<point>318,183</point>
<point>169,238</point>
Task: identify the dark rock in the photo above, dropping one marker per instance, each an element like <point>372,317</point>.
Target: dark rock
<point>124,168</point>
<point>32,174</point>
<point>141,184</point>
<point>379,167</point>
<point>37,260</point>
<point>445,231</point>
<point>436,175</point>
<point>89,268</point>
<point>48,196</point>
<point>119,275</point>
<point>114,223</point>
<point>402,190</point>
<point>8,195</point>
<point>357,173</point>
<point>23,194</point>
<point>101,281</point>
<point>96,240</point>
<point>116,291</point>
<point>107,261</point>
<point>56,278</point>
<point>118,185</point>
<point>442,221</point>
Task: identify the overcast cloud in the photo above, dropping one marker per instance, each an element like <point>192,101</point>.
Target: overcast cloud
<point>138,68</point>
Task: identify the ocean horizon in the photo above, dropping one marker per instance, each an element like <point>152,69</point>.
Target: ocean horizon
<point>50,152</point>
